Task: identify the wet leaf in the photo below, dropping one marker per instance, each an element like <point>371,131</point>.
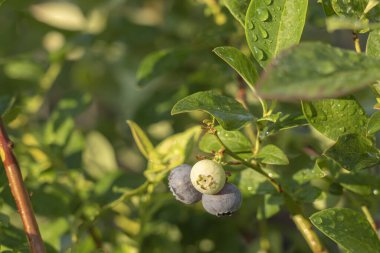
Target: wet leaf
<point>348,228</point>
<point>272,26</point>
<point>315,70</point>
<point>230,114</point>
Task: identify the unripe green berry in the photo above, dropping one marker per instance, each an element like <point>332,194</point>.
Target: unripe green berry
<point>208,177</point>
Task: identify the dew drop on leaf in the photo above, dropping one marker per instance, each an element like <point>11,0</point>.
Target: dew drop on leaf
<point>326,68</point>
<point>258,53</point>
<point>263,32</point>
<point>254,37</point>
<point>268,2</point>
<point>318,220</point>
<point>250,25</point>
<point>342,129</point>
<point>262,14</point>
<point>375,192</point>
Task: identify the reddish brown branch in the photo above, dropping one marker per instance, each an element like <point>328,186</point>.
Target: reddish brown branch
<point>19,193</point>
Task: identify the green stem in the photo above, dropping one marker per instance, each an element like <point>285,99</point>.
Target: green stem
<point>142,188</point>
<point>369,217</point>
<point>302,223</point>
<point>248,164</point>
<point>304,226</point>
<point>356,42</point>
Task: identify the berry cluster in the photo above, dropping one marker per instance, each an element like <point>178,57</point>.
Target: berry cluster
<point>205,181</point>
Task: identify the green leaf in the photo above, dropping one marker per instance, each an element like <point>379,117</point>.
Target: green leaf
<point>373,125</point>
<point>230,114</point>
<point>171,152</point>
<point>305,175</point>
<point>23,70</point>
<point>354,152</point>
<point>373,44</point>
<point>238,8</point>
<point>362,184</point>
<point>142,141</point>
<point>348,228</point>
<point>269,206</point>
<point>271,26</point>
<point>239,62</point>
<point>336,117</point>
<point>234,140</point>
<point>253,183</point>
<point>344,23</point>
<point>159,62</point>
<point>99,156</point>
<point>276,122</point>
<point>270,154</point>
<point>349,8</point>
<point>306,193</point>
<point>327,8</point>
<point>315,70</point>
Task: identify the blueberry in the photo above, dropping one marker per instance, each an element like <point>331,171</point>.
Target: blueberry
<point>225,202</point>
<point>181,187</point>
<point>208,176</point>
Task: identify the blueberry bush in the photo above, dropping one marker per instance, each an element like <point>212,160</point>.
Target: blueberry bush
<point>190,126</point>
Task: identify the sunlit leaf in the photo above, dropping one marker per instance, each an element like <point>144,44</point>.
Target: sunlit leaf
<point>230,114</point>
<point>99,156</point>
<point>348,228</point>
<point>336,117</point>
<point>354,152</point>
<point>272,26</point>
<point>239,62</point>
<point>141,139</point>
<point>270,154</point>
<point>238,8</point>
<point>315,70</point>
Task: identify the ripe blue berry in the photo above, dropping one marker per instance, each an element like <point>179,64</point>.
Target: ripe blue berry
<point>208,176</point>
<point>225,202</point>
<point>181,187</point>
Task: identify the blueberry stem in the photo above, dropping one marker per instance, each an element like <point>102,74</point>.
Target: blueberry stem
<point>248,164</point>
<point>302,223</point>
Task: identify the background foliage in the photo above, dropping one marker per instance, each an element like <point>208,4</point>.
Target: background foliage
<point>74,72</point>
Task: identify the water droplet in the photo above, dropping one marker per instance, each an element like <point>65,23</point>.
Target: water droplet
<point>258,53</point>
<point>250,25</point>
<point>342,129</point>
<point>340,218</point>
<point>254,37</point>
<point>318,220</point>
<point>263,32</point>
<point>268,2</point>
<point>326,68</point>
<point>376,192</point>
<point>262,14</point>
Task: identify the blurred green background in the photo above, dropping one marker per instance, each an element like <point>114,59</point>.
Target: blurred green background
<point>77,70</point>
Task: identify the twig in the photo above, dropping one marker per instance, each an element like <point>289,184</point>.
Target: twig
<point>356,42</point>
<point>248,164</point>
<point>304,226</point>
<point>369,217</point>
<point>20,193</point>
<point>302,223</point>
